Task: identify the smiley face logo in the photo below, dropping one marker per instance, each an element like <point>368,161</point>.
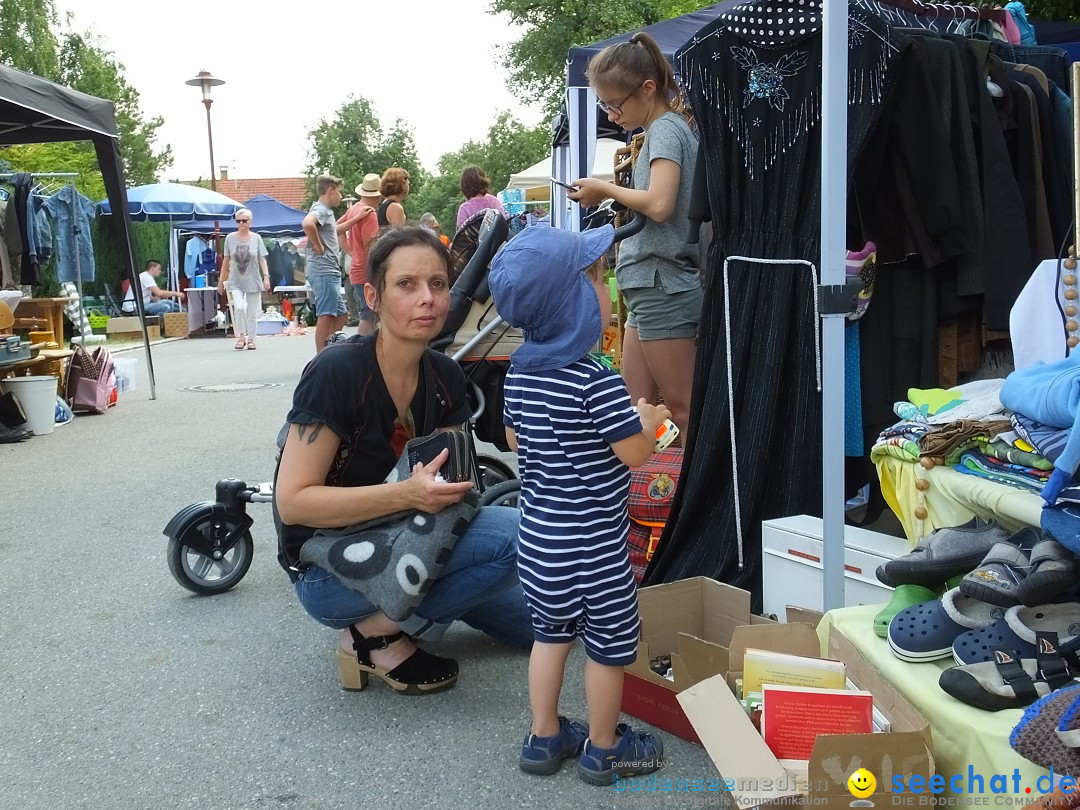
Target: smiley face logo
<point>862,784</point>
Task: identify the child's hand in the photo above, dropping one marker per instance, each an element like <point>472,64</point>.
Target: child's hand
<point>652,416</point>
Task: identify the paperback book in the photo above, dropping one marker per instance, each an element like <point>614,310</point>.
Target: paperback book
<point>764,666</point>
<point>792,717</point>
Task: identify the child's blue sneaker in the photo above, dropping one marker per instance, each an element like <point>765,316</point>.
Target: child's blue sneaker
<point>544,756</point>
<point>634,753</point>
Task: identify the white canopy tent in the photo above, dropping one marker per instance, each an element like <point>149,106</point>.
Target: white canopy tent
<point>538,174</point>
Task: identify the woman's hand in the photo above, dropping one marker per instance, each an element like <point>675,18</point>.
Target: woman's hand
<point>431,495</point>
<point>590,191</point>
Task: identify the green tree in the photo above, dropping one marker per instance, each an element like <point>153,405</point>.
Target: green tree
<point>86,66</point>
<point>28,38</point>
<point>537,61</point>
<point>353,143</point>
<point>29,42</point>
<point>508,148</point>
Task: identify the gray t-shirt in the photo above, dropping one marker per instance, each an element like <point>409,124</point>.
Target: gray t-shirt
<point>245,271</point>
<point>663,247</point>
<point>327,228</point>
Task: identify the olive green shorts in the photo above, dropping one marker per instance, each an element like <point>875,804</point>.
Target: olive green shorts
<point>659,315</point>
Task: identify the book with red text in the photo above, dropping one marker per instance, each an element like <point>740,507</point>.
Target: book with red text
<point>792,717</point>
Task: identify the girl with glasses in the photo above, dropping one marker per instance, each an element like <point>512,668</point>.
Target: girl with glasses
<point>657,271</point>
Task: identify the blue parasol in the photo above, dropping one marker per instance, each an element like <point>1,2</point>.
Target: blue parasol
<point>174,202</point>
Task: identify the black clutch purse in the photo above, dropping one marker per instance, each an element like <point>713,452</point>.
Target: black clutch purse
<point>457,467</point>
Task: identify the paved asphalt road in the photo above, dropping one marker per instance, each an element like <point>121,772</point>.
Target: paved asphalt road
<point>122,690</point>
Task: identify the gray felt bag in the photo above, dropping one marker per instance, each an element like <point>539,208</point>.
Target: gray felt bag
<point>393,560</point>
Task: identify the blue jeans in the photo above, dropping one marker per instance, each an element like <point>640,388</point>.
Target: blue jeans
<point>160,306</point>
<point>478,585</point>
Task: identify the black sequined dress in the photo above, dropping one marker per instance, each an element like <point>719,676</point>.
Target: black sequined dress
<point>758,111</point>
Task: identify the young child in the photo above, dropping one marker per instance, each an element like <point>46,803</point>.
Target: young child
<point>576,435</point>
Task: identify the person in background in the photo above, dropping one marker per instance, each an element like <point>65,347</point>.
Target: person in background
<point>323,272</point>
<point>477,190</point>
<point>657,271</point>
<point>156,301</point>
<point>344,263</point>
<point>359,240</point>
<point>576,435</point>
<point>394,189</point>
<point>428,220</point>
<point>246,276</point>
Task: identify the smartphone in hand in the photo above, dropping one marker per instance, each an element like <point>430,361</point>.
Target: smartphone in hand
<point>567,186</point>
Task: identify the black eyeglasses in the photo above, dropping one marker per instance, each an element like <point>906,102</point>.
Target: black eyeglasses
<point>617,108</point>
<point>243,220</point>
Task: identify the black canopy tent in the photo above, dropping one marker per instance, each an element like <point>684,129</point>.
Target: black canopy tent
<point>35,110</point>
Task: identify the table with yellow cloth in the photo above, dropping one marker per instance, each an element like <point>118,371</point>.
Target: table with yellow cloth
<point>951,498</point>
<point>963,735</point>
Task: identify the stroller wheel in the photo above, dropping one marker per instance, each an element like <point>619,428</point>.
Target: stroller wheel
<point>504,494</point>
<point>492,472</point>
<point>202,574</point>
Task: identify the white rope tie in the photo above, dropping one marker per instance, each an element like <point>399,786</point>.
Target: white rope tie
<point>731,387</point>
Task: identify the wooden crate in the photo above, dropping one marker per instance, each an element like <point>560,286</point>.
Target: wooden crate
<point>175,324</point>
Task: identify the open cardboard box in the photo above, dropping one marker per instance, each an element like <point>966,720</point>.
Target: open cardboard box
<point>691,620</point>
<point>753,776</point>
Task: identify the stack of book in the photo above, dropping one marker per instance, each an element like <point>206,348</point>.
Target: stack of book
<point>795,698</point>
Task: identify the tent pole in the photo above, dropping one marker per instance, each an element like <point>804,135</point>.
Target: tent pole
<point>834,92</point>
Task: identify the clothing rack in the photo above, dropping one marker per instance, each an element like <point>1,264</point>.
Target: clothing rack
<point>52,189</point>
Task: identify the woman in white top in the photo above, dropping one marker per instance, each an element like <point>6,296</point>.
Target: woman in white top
<point>245,275</point>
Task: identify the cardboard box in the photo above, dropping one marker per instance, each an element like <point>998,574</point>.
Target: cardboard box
<point>693,621</point>
<point>791,551</point>
<point>753,776</point>
<point>175,324</point>
<point>128,327</point>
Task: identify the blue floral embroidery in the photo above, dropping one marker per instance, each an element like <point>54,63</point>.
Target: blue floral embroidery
<point>766,79</point>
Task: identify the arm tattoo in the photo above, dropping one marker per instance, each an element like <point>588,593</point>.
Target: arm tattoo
<point>302,431</point>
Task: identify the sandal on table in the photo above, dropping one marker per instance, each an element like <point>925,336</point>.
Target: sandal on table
<point>241,343</point>
<point>420,674</point>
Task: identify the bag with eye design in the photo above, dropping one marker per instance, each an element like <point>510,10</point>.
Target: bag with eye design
<point>392,560</point>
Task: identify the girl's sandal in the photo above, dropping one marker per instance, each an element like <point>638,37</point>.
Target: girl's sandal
<point>420,674</point>
<point>250,343</point>
<point>241,343</point>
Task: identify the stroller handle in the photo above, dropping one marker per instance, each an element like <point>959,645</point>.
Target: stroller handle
<point>632,226</point>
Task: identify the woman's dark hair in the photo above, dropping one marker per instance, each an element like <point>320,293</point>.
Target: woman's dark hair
<point>625,66</point>
<point>393,237</point>
<point>474,182</point>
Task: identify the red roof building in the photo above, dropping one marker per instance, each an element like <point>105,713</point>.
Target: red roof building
<point>289,190</point>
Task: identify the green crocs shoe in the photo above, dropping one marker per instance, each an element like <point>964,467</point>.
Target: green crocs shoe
<point>904,596</point>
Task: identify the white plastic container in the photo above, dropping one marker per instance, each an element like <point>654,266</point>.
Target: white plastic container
<point>125,368</point>
<point>37,395</point>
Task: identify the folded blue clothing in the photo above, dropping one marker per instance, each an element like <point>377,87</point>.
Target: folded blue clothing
<point>1001,472</point>
<point>1048,440</point>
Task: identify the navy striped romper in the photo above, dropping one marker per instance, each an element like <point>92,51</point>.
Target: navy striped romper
<point>572,556</point>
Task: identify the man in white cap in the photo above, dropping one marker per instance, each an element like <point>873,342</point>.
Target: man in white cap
<point>359,240</point>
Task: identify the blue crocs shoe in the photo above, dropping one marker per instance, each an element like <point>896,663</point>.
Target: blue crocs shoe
<point>634,753</point>
<point>926,632</point>
<point>544,756</point>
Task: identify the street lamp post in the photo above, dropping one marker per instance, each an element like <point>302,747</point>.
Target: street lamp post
<point>205,80</point>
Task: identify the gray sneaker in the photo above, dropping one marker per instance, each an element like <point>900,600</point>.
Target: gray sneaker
<point>944,554</point>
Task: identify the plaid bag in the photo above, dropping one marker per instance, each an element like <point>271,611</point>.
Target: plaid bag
<point>652,489</point>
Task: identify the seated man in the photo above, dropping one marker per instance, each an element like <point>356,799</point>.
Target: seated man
<point>156,301</point>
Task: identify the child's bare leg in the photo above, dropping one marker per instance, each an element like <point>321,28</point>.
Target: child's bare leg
<point>546,665</point>
<point>603,691</point>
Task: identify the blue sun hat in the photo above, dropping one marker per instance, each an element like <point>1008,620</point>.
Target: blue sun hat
<point>539,287</point>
